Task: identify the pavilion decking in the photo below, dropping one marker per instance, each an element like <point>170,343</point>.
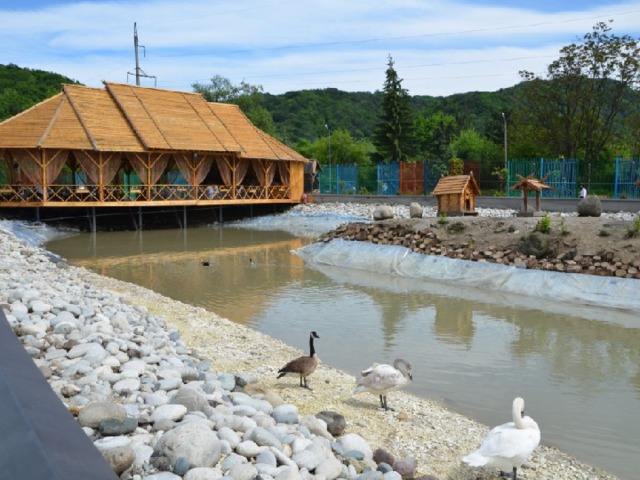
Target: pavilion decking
<point>126,145</point>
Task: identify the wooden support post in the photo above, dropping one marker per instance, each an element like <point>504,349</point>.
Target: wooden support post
<point>94,223</point>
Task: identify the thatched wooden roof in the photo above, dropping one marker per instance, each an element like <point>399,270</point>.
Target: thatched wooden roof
<point>530,183</point>
<point>137,119</point>
<point>456,184</point>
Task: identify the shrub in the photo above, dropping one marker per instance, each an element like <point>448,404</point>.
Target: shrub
<point>563,228</point>
<point>457,227</point>
<point>544,225</point>
<point>633,231</point>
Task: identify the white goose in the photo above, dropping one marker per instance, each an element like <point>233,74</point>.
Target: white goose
<point>382,378</point>
<point>509,445</point>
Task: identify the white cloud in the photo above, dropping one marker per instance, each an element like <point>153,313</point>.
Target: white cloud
<point>439,48</point>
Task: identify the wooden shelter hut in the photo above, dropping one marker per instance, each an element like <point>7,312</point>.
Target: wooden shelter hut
<point>456,195</point>
<point>123,145</point>
<point>528,184</point>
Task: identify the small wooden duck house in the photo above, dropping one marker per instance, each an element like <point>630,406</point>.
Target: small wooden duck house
<point>456,195</point>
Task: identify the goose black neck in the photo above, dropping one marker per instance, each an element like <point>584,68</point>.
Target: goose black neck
<point>312,351</point>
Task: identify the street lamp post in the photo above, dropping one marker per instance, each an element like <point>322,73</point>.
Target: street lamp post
<point>506,170</point>
<point>329,132</point>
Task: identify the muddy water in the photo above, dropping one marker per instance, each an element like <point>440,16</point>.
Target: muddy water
<point>578,368</point>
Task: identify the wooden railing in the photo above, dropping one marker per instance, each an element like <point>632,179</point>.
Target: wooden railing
<point>64,194</point>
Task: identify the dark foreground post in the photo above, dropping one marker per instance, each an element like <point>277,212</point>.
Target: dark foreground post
<point>40,439</point>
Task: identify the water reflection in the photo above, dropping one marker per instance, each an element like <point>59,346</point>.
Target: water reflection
<point>578,367</point>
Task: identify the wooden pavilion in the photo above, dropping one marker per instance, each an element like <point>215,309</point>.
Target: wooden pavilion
<point>528,184</point>
<point>456,195</point>
<point>125,145</point>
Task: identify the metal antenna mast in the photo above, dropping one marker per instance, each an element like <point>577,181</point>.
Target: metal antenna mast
<point>139,72</point>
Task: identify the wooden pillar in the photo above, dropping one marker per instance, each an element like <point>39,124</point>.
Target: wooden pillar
<point>100,178</point>
<point>43,163</point>
<point>94,223</point>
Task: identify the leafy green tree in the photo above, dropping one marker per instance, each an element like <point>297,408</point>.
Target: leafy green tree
<point>339,148</point>
<point>469,145</point>
<point>393,137</point>
<point>434,134</point>
<point>584,93</point>
<point>248,97</point>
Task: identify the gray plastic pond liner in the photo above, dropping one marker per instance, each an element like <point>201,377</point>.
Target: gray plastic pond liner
<point>39,438</point>
<point>573,290</point>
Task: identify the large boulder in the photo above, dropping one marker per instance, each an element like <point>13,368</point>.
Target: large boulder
<point>383,212</point>
<point>591,206</point>
<point>415,210</point>
<point>195,442</point>
<point>539,245</point>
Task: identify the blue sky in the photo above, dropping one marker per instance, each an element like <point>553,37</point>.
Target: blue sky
<point>439,47</point>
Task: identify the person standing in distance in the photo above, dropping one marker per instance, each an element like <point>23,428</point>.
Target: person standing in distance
<point>583,192</point>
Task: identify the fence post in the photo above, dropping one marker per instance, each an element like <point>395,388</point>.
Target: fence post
<point>616,178</point>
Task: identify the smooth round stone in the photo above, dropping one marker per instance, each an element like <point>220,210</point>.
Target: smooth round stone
<point>353,441</point>
<point>40,307</point>
<point>94,413</point>
<point>264,438</point>
<point>285,413</point>
<point>225,433</point>
<point>202,473</point>
<point>169,412</point>
<point>392,475</point>
<point>330,468</point>
<point>306,459</point>
<point>171,383</point>
<point>231,461</point>
<point>181,466</point>
<point>127,385</point>
<point>248,449</point>
<point>112,442</point>
<point>266,457</point>
<point>244,471</point>
<point>118,427</point>
<point>135,365</point>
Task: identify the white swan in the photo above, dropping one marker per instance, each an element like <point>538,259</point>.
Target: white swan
<point>509,445</point>
<point>382,378</point>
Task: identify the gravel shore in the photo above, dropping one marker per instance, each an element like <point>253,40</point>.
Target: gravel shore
<point>419,430</point>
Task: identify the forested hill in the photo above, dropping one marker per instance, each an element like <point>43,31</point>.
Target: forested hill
<point>310,113</point>
<point>22,88</point>
<point>297,115</point>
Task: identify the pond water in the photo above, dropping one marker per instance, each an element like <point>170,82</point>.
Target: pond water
<point>474,350</point>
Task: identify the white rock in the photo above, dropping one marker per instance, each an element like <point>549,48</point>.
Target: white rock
<point>172,413</point>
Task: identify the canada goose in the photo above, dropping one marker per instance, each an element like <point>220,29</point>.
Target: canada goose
<point>382,378</point>
<point>252,262</point>
<point>509,445</point>
<point>303,366</point>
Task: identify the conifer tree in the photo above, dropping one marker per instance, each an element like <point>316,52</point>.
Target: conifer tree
<point>393,137</point>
